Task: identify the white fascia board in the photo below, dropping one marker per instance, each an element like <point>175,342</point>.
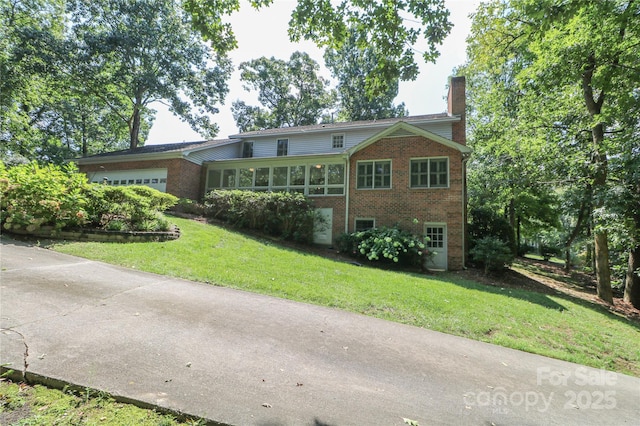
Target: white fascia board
<point>130,157</point>
<point>412,129</point>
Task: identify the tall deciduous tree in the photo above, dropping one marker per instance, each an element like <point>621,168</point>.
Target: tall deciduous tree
<point>577,62</point>
<point>392,30</point>
<point>292,93</point>
<point>350,65</point>
<point>146,51</point>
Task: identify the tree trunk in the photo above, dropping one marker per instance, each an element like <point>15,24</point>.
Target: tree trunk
<point>134,129</point>
<point>594,107</point>
<point>632,286</point>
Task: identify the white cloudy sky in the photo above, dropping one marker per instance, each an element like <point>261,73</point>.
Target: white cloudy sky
<point>264,33</point>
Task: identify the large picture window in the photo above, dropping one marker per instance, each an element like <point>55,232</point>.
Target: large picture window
<point>374,174</point>
<point>430,173</point>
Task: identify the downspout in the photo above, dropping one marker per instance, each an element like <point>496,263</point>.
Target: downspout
<point>465,158</point>
<point>347,186</point>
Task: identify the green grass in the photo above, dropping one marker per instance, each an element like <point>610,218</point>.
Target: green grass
<point>39,405</point>
<point>555,326</point>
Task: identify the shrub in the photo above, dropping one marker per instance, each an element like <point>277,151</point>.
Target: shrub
<point>391,246</point>
<point>34,196</point>
<point>286,215</point>
<point>485,222</point>
<point>132,208</point>
<point>492,253</point>
<point>59,196</point>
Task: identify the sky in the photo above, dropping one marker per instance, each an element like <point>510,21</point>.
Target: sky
<point>264,33</point>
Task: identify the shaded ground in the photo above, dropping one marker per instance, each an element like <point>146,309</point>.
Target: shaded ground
<point>551,278</point>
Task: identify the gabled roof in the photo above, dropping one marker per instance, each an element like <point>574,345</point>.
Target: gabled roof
<point>350,125</point>
<point>404,127</point>
<point>169,150</point>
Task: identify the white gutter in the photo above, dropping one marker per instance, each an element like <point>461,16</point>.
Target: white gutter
<point>465,158</point>
<point>347,192</point>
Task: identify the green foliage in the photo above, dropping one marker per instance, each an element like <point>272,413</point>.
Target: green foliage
<point>350,64</point>
<point>282,214</point>
<point>485,222</point>
<point>33,196</point>
<point>393,30</point>
<point>129,208</point>
<point>390,246</point>
<point>492,253</point>
<point>292,93</point>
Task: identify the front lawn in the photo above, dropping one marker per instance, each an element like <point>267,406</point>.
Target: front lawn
<point>553,325</point>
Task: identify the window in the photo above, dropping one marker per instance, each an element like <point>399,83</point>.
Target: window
<point>228,178</point>
<point>435,235</point>
<point>337,141</point>
<point>130,181</point>
<point>317,179</point>
<point>262,176</point>
<point>365,224</point>
<point>247,149</point>
<point>430,173</point>
<point>146,181</point>
<point>374,174</point>
<point>280,176</point>
<point>246,178</point>
<point>138,181</point>
<point>283,147</point>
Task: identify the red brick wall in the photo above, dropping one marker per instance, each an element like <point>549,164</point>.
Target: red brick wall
<point>457,106</point>
<point>402,204</point>
<point>183,177</point>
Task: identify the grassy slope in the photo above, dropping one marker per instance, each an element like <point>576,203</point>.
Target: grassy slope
<point>554,326</point>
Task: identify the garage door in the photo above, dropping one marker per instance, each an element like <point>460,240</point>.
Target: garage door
<point>154,178</point>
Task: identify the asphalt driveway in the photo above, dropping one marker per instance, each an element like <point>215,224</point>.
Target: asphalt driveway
<point>246,359</point>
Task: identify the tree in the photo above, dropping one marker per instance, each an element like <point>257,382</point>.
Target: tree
<point>292,93</point>
<point>27,83</point>
<point>575,65</point>
<point>350,65</point>
<point>146,51</point>
<point>390,29</point>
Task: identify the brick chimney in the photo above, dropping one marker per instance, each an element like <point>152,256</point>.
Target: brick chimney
<point>457,104</point>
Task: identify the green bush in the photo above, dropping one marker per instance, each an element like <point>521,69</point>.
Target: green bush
<point>286,215</point>
<point>391,246</point>
<point>33,196</point>
<point>492,253</point>
<point>129,208</point>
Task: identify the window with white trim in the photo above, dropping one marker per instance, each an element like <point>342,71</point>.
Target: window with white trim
<point>337,141</point>
<point>247,149</point>
<point>374,174</point>
<point>430,173</point>
<point>283,147</point>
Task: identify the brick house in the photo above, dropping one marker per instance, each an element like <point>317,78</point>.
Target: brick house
<point>409,171</point>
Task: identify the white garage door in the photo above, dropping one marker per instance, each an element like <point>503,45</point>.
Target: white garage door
<point>155,178</point>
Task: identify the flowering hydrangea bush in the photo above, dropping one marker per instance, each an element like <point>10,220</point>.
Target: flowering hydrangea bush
<point>387,245</point>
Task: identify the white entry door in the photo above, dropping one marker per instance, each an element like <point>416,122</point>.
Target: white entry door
<point>437,234</point>
<point>322,229</point>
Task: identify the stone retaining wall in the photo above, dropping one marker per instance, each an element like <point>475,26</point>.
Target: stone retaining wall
<point>100,235</point>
